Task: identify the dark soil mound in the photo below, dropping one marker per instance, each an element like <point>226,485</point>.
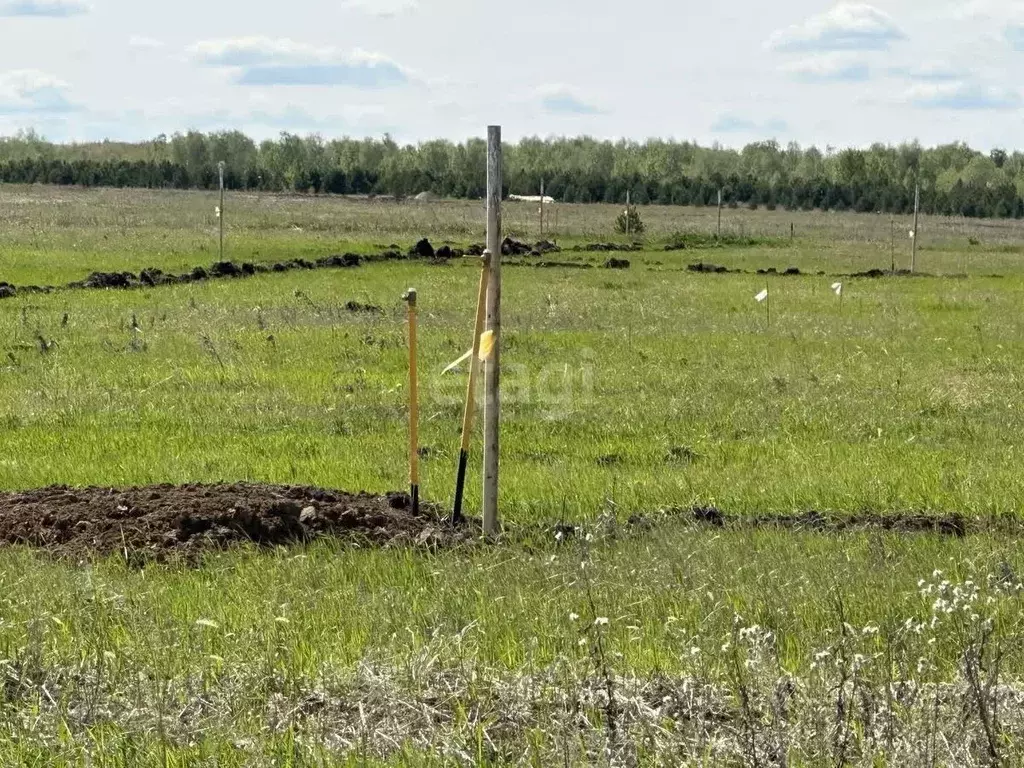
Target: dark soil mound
<point>165,520</point>
<point>344,260</point>
<point>887,273</point>
<point>700,266</point>
<point>614,263</point>
<point>356,306</point>
<point>423,250</point>
<point>608,247</point>
<point>510,247</point>
<point>108,280</point>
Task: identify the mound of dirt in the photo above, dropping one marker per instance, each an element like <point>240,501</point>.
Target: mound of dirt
<point>609,247</point>
<point>162,521</point>
<point>700,266</point>
<point>343,260</point>
<point>357,307</point>
<point>422,250</point>
<point>108,280</point>
<point>510,247</point>
<point>886,273</point>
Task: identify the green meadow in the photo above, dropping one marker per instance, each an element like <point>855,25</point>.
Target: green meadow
<point>631,397</point>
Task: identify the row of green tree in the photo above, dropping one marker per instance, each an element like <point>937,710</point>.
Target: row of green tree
<point>954,178</point>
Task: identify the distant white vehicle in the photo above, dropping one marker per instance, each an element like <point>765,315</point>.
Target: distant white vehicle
<point>547,200</point>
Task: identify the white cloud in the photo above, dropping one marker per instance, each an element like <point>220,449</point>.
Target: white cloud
<point>53,9</point>
<point>732,123</point>
<point>29,91</point>
<point>265,61</point>
<point>563,100</point>
<point>828,68</point>
<point>386,8</point>
<point>257,51</point>
<point>143,42</point>
<point>931,71</point>
<point>962,95</point>
<point>984,10</point>
<point>846,27</point>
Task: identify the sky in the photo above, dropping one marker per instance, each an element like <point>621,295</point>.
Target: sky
<point>840,75</point>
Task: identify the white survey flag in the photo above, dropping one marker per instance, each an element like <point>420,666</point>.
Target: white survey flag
<point>217,211</point>
<point>762,295</point>
<point>458,362</point>
<point>838,288</point>
<point>911,234</point>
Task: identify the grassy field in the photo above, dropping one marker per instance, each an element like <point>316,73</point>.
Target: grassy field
<point>631,396</point>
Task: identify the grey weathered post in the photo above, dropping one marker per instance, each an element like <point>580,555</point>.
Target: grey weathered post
<point>892,243</point>
<point>629,226</point>
<point>220,210</point>
<point>913,239</point>
<point>719,213</point>
<point>542,208</point>
<point>492,366</point>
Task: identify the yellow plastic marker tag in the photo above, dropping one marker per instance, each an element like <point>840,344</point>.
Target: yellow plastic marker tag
<point>486,350</point>
<point>486,345</point>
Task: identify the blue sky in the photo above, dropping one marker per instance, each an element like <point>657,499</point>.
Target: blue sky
<point>845,74</point>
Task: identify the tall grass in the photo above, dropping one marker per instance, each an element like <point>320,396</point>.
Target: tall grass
<point>630,397</point>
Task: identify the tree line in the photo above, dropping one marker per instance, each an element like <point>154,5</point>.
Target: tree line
<point>954,179</point>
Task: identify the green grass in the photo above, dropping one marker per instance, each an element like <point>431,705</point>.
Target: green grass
<point>55,235</point>
<point>626,392</point>
<point>905,401</point>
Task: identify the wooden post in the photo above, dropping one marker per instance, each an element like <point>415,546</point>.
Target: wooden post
<point>719,213</point>
<point>492,366</point>
<point>542,209</point>
<point>913,240</point>
<point>474,367</point>
<point>628,223</point>
<point>892,243</point>
<point>220,209</point>
<point>414,407</point>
